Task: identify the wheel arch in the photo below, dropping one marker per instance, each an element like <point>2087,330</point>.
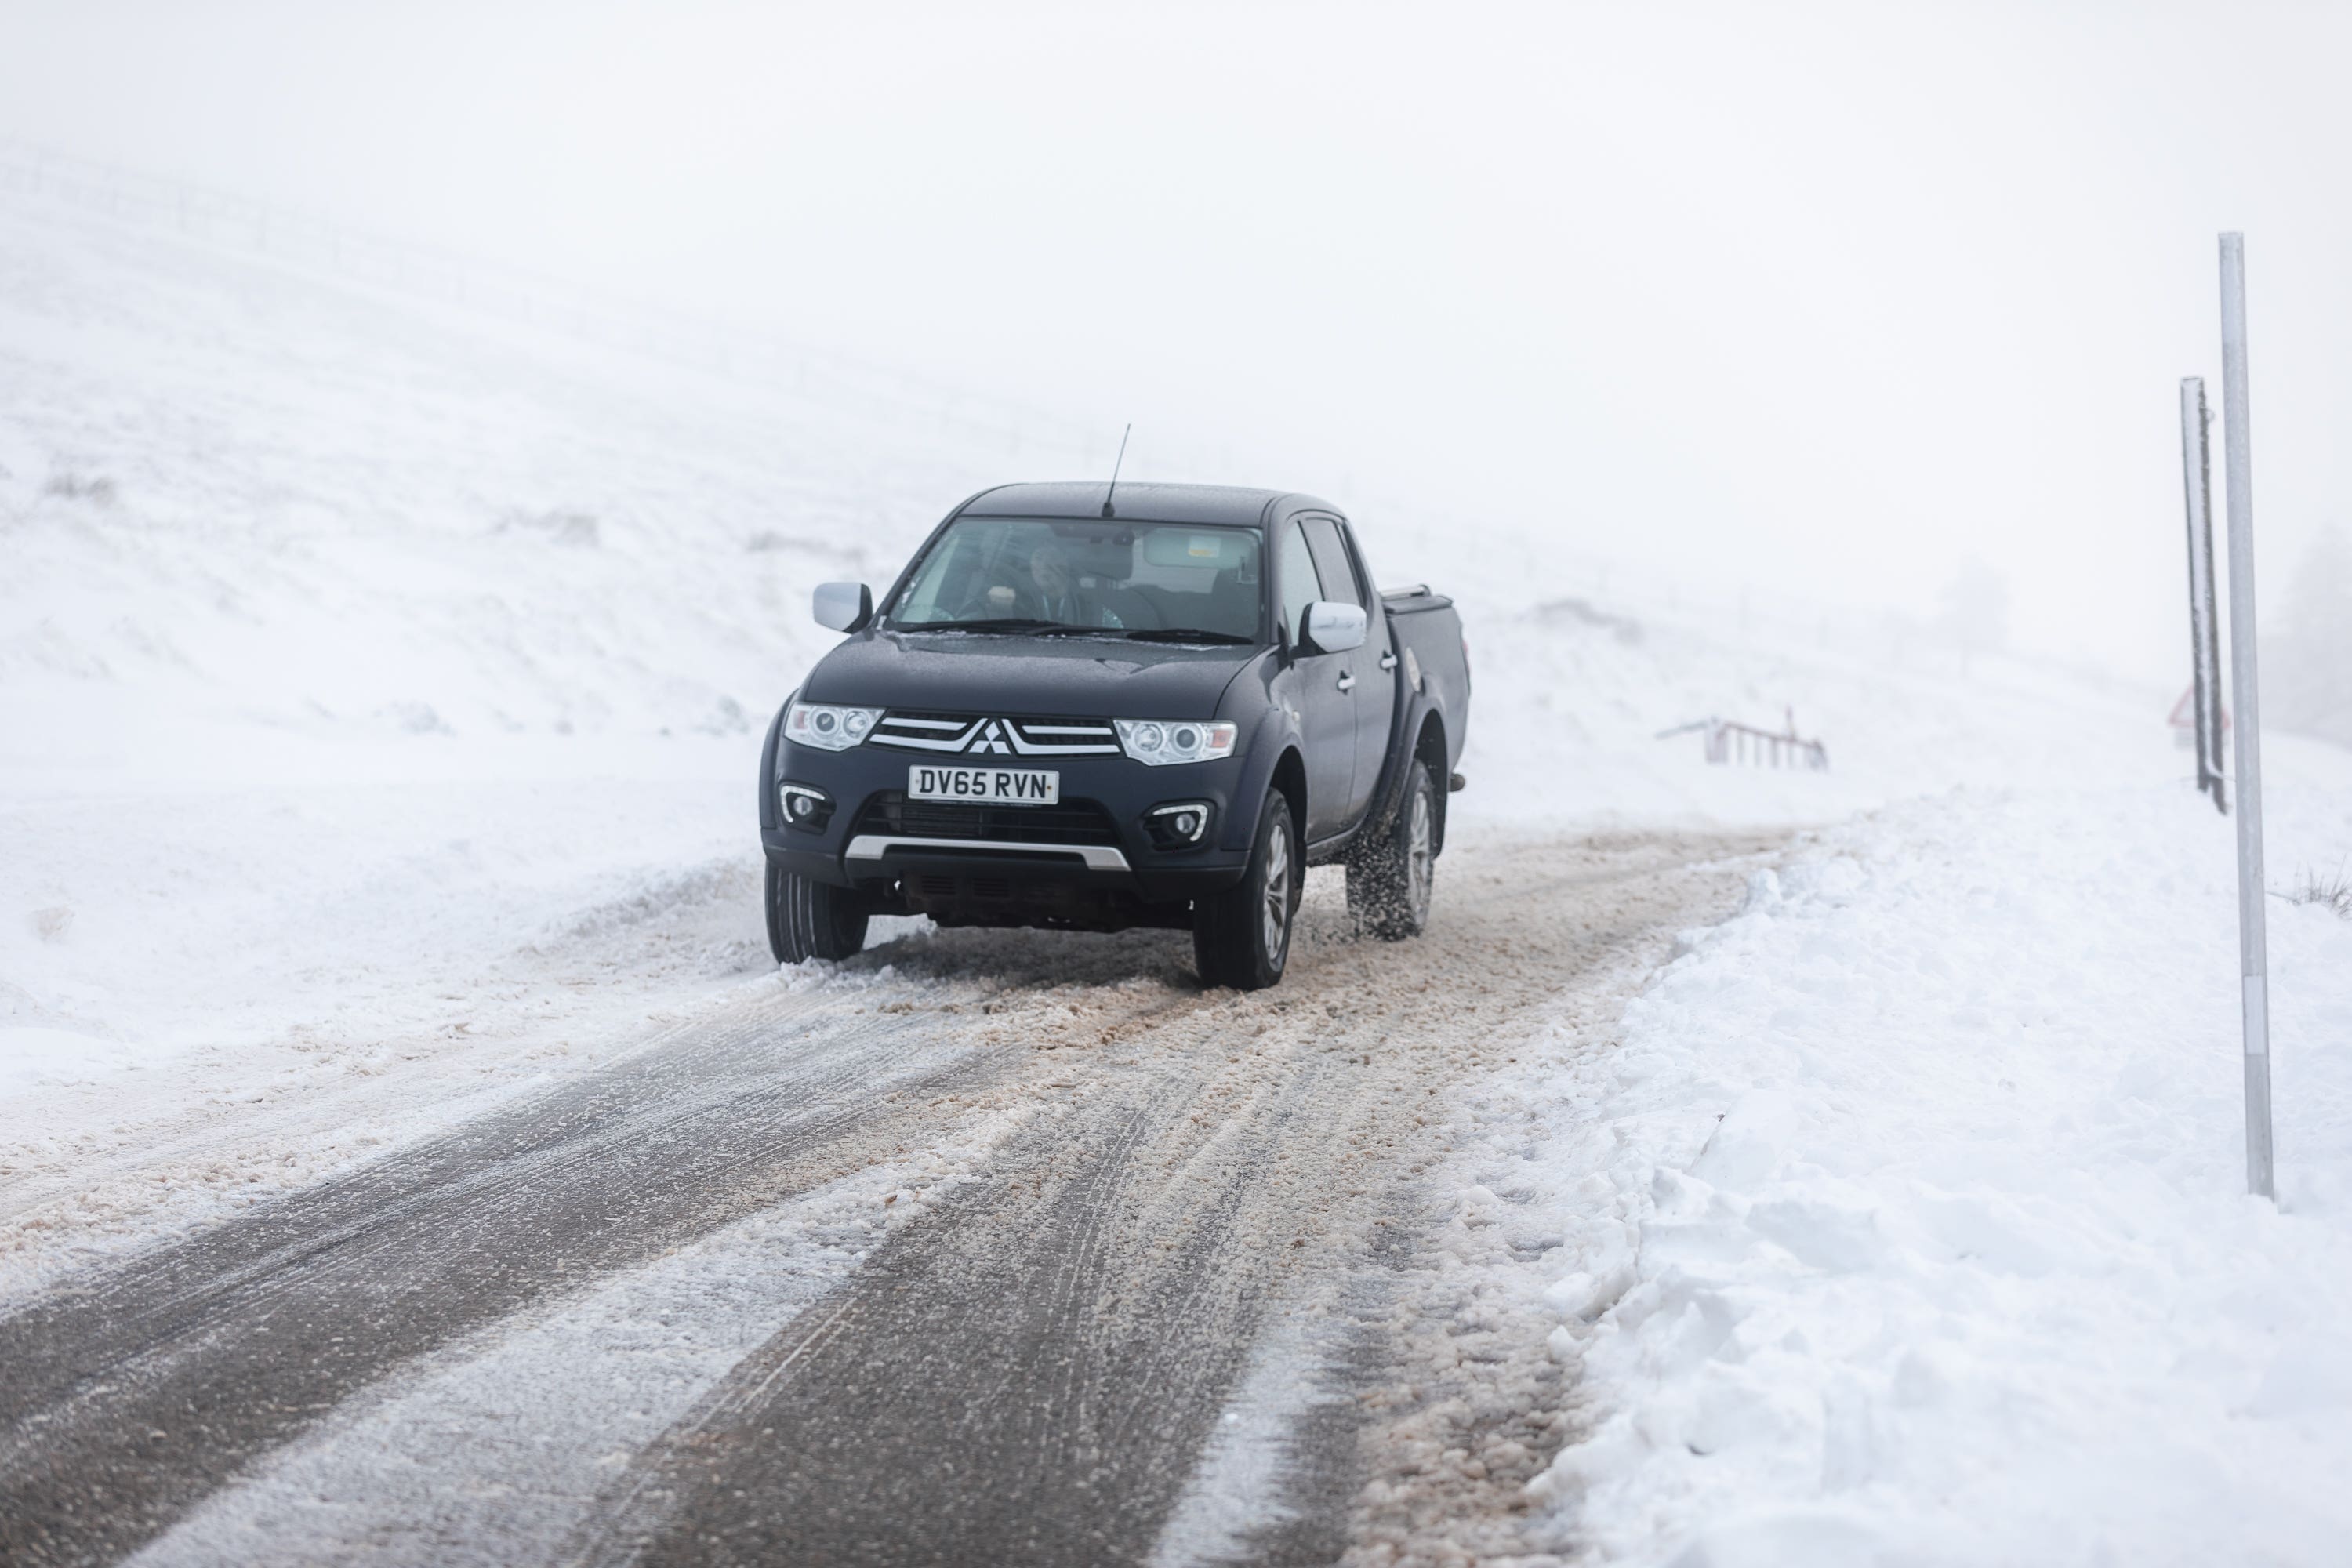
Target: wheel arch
<point>1429,749</point>
<point>768,820</point>
<point>1290,777</point>
<point>1273,761</point>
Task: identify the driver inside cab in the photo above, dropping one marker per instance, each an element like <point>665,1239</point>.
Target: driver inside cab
<point>1055,592</point>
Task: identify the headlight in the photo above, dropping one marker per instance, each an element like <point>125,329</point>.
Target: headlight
<point>828,729</point>
<point>1160,741</point>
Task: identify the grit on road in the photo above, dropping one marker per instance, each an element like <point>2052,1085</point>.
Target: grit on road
<point>1031,1251</point>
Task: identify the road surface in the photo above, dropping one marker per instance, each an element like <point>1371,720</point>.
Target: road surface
<point>1001,1247</point>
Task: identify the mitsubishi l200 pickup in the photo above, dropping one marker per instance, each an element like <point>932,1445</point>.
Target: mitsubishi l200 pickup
<point>1093,708</point>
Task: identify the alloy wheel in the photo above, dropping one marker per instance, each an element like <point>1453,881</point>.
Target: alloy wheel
<point>1276,901</point>
<point>1418,855</point>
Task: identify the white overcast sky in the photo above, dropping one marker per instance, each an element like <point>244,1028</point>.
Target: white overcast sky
<point>1818,295</point>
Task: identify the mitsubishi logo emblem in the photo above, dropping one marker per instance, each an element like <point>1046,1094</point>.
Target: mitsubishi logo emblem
<point>989,739</point>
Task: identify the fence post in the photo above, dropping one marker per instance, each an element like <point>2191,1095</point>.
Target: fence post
<point>2205,656</point>
<point>2253,963</point>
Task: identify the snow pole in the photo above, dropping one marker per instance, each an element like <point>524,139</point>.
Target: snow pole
<point>2239,483</point>
<point>2205,654</point>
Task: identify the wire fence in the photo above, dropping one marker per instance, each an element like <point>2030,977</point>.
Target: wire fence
<point>1728,742</point>
<point>289,237</point>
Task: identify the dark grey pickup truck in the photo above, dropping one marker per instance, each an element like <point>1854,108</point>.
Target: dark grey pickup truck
<point>1094,710</point>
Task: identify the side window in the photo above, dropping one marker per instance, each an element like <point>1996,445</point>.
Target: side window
<point>1300,587</point>
<point>1331,562</point>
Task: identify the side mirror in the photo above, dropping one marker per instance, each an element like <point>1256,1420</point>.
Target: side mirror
<point>842,606</point>
<point>1334,627</point>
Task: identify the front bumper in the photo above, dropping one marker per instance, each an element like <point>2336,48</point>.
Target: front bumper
<point>854,848</point>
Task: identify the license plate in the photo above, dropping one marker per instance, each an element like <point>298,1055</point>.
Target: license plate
<point>988,786</point>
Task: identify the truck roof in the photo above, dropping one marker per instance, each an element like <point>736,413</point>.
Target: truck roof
<point>1142,501</point>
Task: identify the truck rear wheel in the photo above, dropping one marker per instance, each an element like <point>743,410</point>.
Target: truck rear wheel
<point>1241,937</point>
<point>1388,880</point>
<point>809,918</point>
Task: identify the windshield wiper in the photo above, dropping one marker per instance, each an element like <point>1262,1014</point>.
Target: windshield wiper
<point>1017,627</point>
<point>1006,624</point>
<point>1184,634</point>
<point>1028,627</point>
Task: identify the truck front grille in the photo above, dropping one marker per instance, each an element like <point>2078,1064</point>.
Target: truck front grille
<point>1074,822</point>
<point>984,735</point>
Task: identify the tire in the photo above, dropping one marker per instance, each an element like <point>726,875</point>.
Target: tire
<point>1390,879</point>
<point>1241,936</point>
<point>808,919</point>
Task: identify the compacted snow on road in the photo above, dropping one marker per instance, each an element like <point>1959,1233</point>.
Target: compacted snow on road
<point>970,1260</point>
<point>408,1152</point>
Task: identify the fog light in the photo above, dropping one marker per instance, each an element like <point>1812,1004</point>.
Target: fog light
<point>1179,824</point>
<point>804,807</point>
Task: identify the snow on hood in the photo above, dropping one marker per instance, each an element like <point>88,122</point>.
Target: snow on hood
<point>1074,677</point>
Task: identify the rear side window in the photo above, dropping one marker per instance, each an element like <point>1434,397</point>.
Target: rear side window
<point>1331,560</point>
<point>1300,587</point>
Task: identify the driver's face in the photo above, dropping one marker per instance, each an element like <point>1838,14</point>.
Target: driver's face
<point>1050,570</point>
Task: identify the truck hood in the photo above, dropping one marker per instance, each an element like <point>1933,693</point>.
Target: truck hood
<point>1077,677</point>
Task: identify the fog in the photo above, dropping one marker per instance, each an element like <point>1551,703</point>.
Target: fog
<point>1847,302</point>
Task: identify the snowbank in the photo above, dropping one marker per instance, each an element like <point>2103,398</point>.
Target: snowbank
<point>1905,1223</point>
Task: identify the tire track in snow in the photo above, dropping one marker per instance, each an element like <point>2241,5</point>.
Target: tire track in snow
<point>487,1450</point>
<point>1079,1405</point>
<point>127,1398</point>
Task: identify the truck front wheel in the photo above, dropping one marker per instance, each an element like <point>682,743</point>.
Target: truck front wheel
<point>808,919</point>
<point>1241,936</point>
<point>1388,878</point>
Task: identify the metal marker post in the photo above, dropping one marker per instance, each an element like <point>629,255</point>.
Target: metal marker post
<point>2205,655</point>
<point>2252,963</point>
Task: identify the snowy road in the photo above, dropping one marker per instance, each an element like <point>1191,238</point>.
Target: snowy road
<point>1026,1250</point>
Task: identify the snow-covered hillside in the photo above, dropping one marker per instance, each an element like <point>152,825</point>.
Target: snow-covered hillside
<point>247,501</point>
<point>353,649</point>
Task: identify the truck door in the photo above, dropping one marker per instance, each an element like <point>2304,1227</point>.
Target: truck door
<point>1373,665</point>
<point>1323,687</point>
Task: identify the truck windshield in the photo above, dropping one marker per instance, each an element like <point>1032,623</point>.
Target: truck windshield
<point>1109,578</point>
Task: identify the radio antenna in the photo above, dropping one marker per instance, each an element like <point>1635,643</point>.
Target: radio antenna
<point>1113,489</point>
